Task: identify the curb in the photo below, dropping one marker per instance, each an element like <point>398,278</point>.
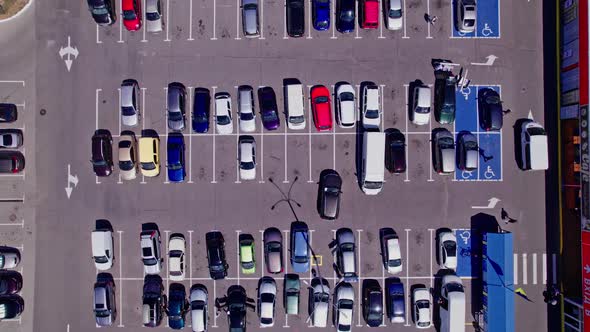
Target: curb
<point>19,12</point>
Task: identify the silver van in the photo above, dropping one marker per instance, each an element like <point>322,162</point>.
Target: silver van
<point>250,23</point>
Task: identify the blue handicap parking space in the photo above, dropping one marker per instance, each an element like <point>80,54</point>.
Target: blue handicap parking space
<point>466,109</point>
<point>491,169</point>
<point>464,249</point>
<point>487,23</point>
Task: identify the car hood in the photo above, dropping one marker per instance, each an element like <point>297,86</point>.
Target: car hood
<point>394,23</point>
<point>421,118</point>
<point>176,324</point>
<point>225,129</point>
<point>271,125</point>
<point>176,124</point>
<point>248,174</point>
<point>129,120</point>
<point>176,175</point>
<point>154,26</point>
<point>104,321</point>
<point>200,127</point>
<point>247,126</point>
<point>347,112</point>
<point>197,320</point>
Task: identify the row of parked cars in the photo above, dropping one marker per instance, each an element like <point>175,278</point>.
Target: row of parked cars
<point>11,283</point>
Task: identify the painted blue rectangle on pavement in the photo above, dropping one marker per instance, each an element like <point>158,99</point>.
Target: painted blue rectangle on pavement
<point>464,263</point>
<point>490,169</point>
<point>466,109</point>
<point>487,22</point>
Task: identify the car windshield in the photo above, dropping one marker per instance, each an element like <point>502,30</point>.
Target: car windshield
<point>148,166</point>
<point>201,118</point>
<point>129,15</point>
<point>266,297</point>
<point>469,23</point>
<point>101,259</point>
<point>127,111</point>
<point>493,100</point>
<point>248,265</point>
<point>347,247</point>
<point>175,116</point>
<point>152,16</point>
<point>250,6</point>
<point>346,304</point>
<point>247,165</point>
<point>346,96</point>
<point>422,305</point>
<point>223,120</point>
<point>126,165</point>
<point>274,247</point>
<point>536,131</point>
<point>454,287</point>
<point>296,119</point>
<point>300,259</point>
<point>332,191</point>
<point>395,13</point>
<point>394,263</point>
<point>269,116</point>
<point>7,139</point>
<point>246,116</point>
<point>174,167</point>
<point>217,267</point>
<point>450,248</point>
<point>446,143</point>
<point>373,185</point>
<point>422,109</point>
<point>322,24</point>
<point>322,297</point>
<point>150,261</point>
<point>321,99</point>
<point>423,324</point>
<point>198,305</point>
<point>347,16</point>
<point>102,10</point>
<point>372,114</point>
<point>99,163</point>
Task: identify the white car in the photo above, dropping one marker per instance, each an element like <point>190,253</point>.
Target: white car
<point>267,294</point>
<point>533,140</point>
<point>447,250</point>
<point>465,15</point>
<point>102,248</point>
<point>199,308</point>
<point>390,251</point>
<point>130,113</point>
<point>247,157</point>
<point>128,167</point>
<point>343,305</point>
<point>394,15</point>
<point>319,302</point>
<point>370,107</point>
<point>246,114</point>
<point>153,15</point>
<point>11,138</point>
<point>176,249</point>
<point>420,113</point>
<point>9,257</point>
<point>151,251</point>
<point>422,308</point>
<point>223,117</point>
<point>345,106</point>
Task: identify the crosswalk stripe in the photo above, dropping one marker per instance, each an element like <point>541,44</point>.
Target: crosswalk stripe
<point>534,268</point>
<point>524,269</point>
<point>544,269</point>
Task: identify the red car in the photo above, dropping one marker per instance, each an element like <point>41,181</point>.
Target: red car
<point>131,14</point>
<point>320,105</point>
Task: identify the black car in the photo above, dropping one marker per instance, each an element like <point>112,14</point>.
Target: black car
<point>201,107</point>
<point>12,305</point>
<point>11,282</point>
<point>177,306</point>
<point>8,113</point>
<point>236,308</point>
<point>295,18</point>
<point>267,100</point>
<point>490,109</point>
<point>103,11</point>
<point>216,255</point>
<point>154,301</point>
<point>345,14</point>
<point>444,97</point>
<point>372,302</point>
<point>395,151</point>
<point>11,162</point>
<point>102,152</point>
<point>329,190</point>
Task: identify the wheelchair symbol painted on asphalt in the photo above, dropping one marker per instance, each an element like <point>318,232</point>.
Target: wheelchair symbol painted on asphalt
<point>489,173</point>
<point>465,235</point>
<point>466,91</point>
<point>466,174</point>
<point>486,31</point>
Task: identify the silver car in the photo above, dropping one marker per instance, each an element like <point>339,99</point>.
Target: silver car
<point>199,310</point>
<point>153,16</point>
<point>250,24</point>
<point>11,138</point>
<point>130,113</point>
<point>105,310</point>
<point>346,254</point>
<point>9,257</point>
<point>176,106</point>
<point>465,15</point>
<point>273,250</point>
<point>467,152</point>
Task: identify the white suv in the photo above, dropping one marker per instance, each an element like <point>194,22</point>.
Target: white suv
<point>465,15</point>
<point>370,107</point>
<point>533,140</point>
<point>150,251</point>
<point>223,116</point>
<point>447,250</point>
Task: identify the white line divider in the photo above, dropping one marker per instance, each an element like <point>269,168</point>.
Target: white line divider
<point>237,20</point>
<point>309,20</point>
<point>238,120</point>
<point>333,4</point>
<point>382,95</point>
<point>215,296</point>
<point>118,111</point>
<point>430,179</point>
<point>334,125</point>
<point>286,180</point>
<point>120,286</point>
<point>534,268</point>
<point>143,40</point>
<point>407,268</point>
<point>286,262</point>
<point>190,20</point>
<point>262,19</point>
<point>515,268</point>
<point>262,261</point>
<point>238,255</point>
<point>261,154</point>
<point>167,234</point>
<point>309,131</point>
<point>359,311</point>
<point>405,36</point>
<point>190,255</point>
<point>214,129</point>
<point>406,87</point>
<point>121,30</point>
<point>525,280</point>
<point>214,25</point>
<point>544,268</point>
<point>168,24</point>
<point>428,23</point>
<point>96,108</point>
<point>98,41</point>
<point>382,23</point>
<point>165,143</point>
<point>190,147</point>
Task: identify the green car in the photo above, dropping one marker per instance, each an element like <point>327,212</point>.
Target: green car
<point>444,99</point>
<point>247,254</point>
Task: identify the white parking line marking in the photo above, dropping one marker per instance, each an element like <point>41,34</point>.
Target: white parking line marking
<point>121,28</point>
<point>407,179</point>
<point>407,268</point>
<point>190,137</point>
<point>214,296</point>
<point>309,132</point>
<point>96,108</point>
<point>190,255</point>
<point>334,255</point>
<point>544,268</point>
<point>166,117</point>
<point>238,255</point>
<point>286,180</point>
<point>534,268</point>
<point>168,24</point>
<point>120,276</point>
<point>167,234</point>
<point>190,21</point>
<point>333,21</point>
<point>118,111</point>
<point>262,261</point>
<point>261,154</point>
<point>430,179</point>
<point>359,311</point>
<point>237,20</point>
<point>382,96</point>
<point>382,19</point>
<point>357,32</point>
<point>214,132</point>
<point>334,125</point>
<point>143,40</point>
<point>405,36</point>
<point>238,148</point>
<point>427,23</point>
<point>21,224</point>
<point>214,26</point>
<point>309,21</point>
<point>432,253</point>
<point>525,280</point>
<point>144,107</point>
<point>21,82</point>
<point>262,19</point>
<point>285,36</point>
<point>286,263</point>
<point>515,269</point>
<point>98,41</point>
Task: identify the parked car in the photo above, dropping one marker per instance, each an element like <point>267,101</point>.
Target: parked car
<point>102,11</point>
<point>247,157</point>
<point>268,108</point>
<point>150,251</point>
<point>467,151</point>
<point>236,308</point>
<point>368,14</point>
<point>319,302</point>
<point>443,151</point>
<point>447,250</point>
<point>199,302</point>
<point>422,307</point>
<point>291,296</point>
<point>11,282</point>
<point>273,250</point>
<point>247,253</point>
<point>346,255</point>
<point>102,156</point>
<point>12,162</point>
<point>12,307</point>
<point>295,13</point>
<point>250,25</point>
<point>300,252</point>
<point>153,301</point>
<point>176,106</point>
<point>176,250</point>
<point>345,14</point>
<point>390,250</point>
<point>102,248</point>
<point>395,151</point>
<point>9,257</point>
<point>216,255</point>
<point>267,294</point>
<point>343,307</point>
<point>465,15</point>
<point>329,190</point>
<point>105,308</point>
<point>177,306</point>
<point>320,10</point>
<point>149,156</point>
<point>128,156</point>
<point>393,12</point>
<point>445,98</point>
<point>11,138</point>
<point>131,14</point>
<point>345,105</point>
<point>490,109</point>
<point>153,16</point>
<point>223,116</point>
<point>395,300</point>
<point>247,115</point>
<point>533,144</point>
<point>320,105</point>
<point>372,303</point>
<point>175,151</point>
<point>420,111</point>
<point>370,107</point>
<point>201,110</point>
<point>8,113</point>
<point>130,111</point>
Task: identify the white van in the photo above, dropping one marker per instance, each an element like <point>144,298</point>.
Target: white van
<point>373,171</point>
<point>452,310</point>
<point>102,248</point>
<point>533,141</point>
<point>294,102</point>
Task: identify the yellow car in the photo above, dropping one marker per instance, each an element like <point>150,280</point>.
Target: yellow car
<point>247,254</point>
<point>149,156</point>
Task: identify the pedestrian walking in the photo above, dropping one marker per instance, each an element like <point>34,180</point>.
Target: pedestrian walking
<point>504,215</point>
<point>430,19</point>
<point>506,111</point>
<point>482,153</point>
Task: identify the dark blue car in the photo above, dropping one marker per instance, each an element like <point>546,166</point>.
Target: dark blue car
<point>177,306</point>
<point>321,14</point>
<point>202,102</point>
<point>176,171</point>
<point>345,14</point>
<point>396,308</point>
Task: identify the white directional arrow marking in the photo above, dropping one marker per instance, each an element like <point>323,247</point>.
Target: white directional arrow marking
<point>491,204</point>
<point>489,61</point>
<point>72,179</point>
<point>68,52</point>
<point>531,114</point>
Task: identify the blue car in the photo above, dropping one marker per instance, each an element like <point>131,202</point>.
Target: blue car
<point>202,102</point>
<point>176,171</point>
<point>321,14</point>
<point>300,252</point>
<point>177,306</point>
<point>396,308</point>
<point>345,14</point>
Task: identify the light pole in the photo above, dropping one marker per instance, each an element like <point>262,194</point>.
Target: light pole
<point>286,198</point>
